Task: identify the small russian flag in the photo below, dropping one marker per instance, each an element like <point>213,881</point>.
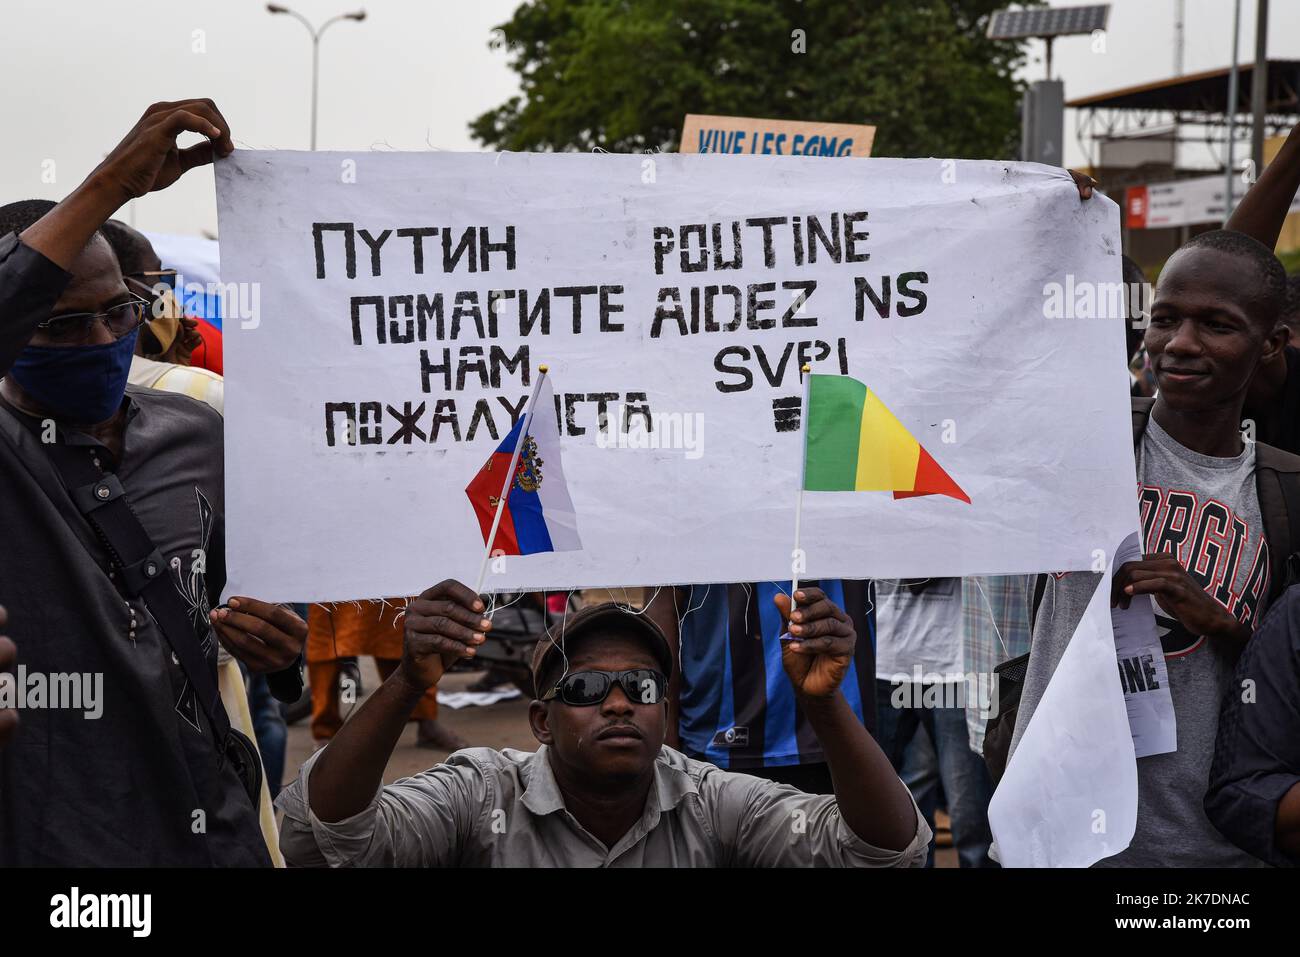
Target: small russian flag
<point>538,515</point>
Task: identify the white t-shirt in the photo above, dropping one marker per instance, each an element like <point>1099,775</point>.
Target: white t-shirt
<point>919,628</point>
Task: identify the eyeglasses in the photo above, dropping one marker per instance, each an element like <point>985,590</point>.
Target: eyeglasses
<point>152,277</point>
<point>583,688</point>
<point>76,327</point>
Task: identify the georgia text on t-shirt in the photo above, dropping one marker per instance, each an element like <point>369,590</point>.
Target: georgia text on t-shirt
<point>1212,542</point>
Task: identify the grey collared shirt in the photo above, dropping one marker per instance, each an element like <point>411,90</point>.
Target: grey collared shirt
<point>487,808</point>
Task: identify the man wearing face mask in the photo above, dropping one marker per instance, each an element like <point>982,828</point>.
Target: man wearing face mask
<point>111,500</point>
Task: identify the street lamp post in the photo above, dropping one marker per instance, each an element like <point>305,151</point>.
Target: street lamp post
<point>1232,113</point>
<point>315,50</point>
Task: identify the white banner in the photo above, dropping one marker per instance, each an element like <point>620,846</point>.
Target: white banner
<point>407,300</point>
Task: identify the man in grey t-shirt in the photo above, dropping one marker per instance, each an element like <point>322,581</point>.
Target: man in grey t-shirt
<point>1206,559</point>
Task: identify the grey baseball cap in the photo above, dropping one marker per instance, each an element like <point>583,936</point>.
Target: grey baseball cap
<point>607,616</point>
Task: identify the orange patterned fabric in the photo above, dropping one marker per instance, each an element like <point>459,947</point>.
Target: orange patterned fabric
<point>349,630</point>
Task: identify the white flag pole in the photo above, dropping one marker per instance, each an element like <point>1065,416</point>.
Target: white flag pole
<point>509,477</point>
<point>806,375</point>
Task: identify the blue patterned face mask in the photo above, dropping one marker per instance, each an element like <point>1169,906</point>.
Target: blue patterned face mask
<point>82,384</point>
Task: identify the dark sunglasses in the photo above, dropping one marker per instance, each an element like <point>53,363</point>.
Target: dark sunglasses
<point>582,688</point>
<point>74,327</point>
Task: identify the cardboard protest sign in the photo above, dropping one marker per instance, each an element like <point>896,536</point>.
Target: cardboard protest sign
<point>407,300</point>
<point>744,134</point>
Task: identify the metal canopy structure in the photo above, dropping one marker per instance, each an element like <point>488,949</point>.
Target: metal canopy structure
<point>1205,92</point>
<point>1165,108</point>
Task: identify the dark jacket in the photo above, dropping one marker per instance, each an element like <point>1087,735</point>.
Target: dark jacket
<point>139,784</point>
<point>1257,754</point>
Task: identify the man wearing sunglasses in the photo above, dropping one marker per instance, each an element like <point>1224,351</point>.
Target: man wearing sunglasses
<point>602,790</point>
<point>151,779</point>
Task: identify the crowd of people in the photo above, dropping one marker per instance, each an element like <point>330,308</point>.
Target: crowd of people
<point>721,724</point>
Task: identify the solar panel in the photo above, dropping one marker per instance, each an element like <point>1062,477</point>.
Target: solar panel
<point>1048,22</point>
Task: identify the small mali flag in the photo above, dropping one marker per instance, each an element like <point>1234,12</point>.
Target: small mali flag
<point>853,443</point>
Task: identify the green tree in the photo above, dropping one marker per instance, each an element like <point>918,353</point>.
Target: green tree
<point>622,74</point>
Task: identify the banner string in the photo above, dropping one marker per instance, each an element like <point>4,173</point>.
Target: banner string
<point>992,617</point>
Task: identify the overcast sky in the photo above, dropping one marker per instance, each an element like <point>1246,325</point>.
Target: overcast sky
<point>79,72</point>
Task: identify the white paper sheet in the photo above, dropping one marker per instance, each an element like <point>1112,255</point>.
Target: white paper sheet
<point>476,699</point>
<point>1068,797</point>
<point>1144,676</point>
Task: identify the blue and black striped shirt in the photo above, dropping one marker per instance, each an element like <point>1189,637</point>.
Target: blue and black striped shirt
<point>738,709</point>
